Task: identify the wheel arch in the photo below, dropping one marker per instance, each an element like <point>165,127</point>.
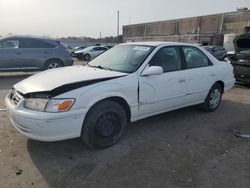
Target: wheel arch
<point>117,99</point>
<point>51,59</point>
<point>222,84</point>
<point>87,53</point>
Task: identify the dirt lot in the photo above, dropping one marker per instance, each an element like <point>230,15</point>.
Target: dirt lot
<point>183,148</point>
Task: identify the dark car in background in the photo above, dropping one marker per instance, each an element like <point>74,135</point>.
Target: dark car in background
<point>241,58</point>
<point>218,52</point>
<point>25,53</point>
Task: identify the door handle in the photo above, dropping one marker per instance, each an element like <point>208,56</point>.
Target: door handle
<point>213,75</point>
<point>18,53</point>
<point>182,80</point>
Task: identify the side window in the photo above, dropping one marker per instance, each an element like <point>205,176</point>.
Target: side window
<point>195,58</point>
<point>9,44</point>
<point>103,49</point>
<point>217,48</point>
<point>34,43</point>
<point>96,49</point>
<point>169,58</point>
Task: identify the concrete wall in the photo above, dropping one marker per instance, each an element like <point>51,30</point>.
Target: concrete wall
<point>204,29</point>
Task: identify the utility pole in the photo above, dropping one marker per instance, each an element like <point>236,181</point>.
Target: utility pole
<point>100,34</point>
<point>118,25</point>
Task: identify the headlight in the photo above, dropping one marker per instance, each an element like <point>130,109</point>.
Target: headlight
<point>37,104</point>
<point>49,105</point>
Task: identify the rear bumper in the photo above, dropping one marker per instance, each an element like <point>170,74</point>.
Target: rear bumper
<point>242,72</point>
<point>243,78</point>
<point>229,84</point>
<point>68,62</point>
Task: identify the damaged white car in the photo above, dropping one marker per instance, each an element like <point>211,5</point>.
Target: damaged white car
<point>127,83</point>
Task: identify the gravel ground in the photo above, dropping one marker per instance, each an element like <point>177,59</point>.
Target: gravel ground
<point>183,148</point>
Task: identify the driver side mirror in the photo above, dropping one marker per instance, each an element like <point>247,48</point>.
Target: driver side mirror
<point>153,70</point>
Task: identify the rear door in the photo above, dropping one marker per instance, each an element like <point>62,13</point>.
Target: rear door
<point>200,73</point>
<point>36,51</point>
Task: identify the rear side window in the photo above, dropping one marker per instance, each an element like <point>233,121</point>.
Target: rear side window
<point>96,49</point>
<point>99,49</point>
<point>169,58</point>
<point>195,58</point>
<point>9,44</point>
<point>35,43</point>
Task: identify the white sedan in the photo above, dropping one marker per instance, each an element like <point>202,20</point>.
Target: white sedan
<point>89,52</point>
<point>128,82</point>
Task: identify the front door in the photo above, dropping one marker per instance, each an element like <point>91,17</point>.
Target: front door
<point>159,93</point>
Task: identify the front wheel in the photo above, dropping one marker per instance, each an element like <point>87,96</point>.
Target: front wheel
<point>86,57</point>
<point>213,98</point>
<point>104,124</point>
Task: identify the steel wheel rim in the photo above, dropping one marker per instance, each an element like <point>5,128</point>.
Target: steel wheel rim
<point>87,57</point>
<point>215,98</point>
<point>54,65</point>
<point>107,125</point>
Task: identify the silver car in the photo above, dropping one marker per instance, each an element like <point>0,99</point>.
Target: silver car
<point>89,52</point>
<point>21,53</point>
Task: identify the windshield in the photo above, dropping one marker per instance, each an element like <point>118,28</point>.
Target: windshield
<point>122,58</point>
<point>87,49</point>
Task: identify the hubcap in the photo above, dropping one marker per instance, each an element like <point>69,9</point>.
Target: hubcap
<point>107,125</point>
<point>215,98</point>
<point>54,65</point>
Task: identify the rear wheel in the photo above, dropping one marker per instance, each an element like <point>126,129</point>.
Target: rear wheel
<point>52,64</point>
<point>104,124</point>
<point>213,98</point>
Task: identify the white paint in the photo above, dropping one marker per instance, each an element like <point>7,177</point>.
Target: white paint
<point>157,94</point>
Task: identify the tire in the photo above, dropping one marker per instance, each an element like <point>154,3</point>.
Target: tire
<point>104,124</point>
<point>86,57</point>
<point>213,98</point>
<point>54,63</point>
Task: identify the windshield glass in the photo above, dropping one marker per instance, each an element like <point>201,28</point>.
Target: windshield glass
<point>122,58</point>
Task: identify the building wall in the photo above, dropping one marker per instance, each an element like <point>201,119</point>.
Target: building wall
<point>204,29</point>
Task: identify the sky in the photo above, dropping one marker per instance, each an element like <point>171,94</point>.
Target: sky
<point>63,18</point>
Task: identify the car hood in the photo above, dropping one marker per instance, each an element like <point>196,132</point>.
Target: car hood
<point>242,42</point>
<point>64,77</point>
<point>81,51</point>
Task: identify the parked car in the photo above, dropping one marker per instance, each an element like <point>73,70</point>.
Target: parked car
<point>240,59</point>
<point>22,53</point>
<point>90,52</point>
<point>218,52</point>
<point>76,48</point>
<point>126,83</point>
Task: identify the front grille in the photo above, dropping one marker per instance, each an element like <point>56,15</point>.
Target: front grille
<point>15,97</point>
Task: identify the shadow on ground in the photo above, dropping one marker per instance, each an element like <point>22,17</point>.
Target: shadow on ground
<point>183,148</point>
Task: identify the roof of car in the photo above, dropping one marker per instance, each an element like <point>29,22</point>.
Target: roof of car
<point>27,36</point>
<point>157,43</point>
